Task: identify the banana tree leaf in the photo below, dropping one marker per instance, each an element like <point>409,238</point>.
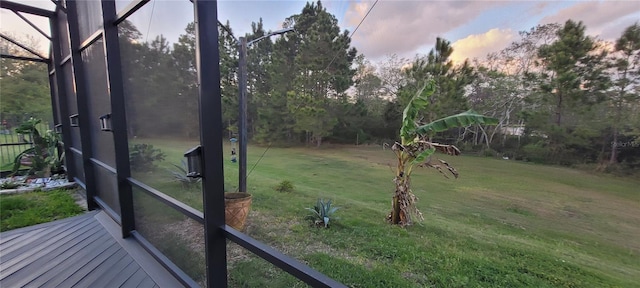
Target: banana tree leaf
<point>459,120</point>
<point>17,163</point>
<point>423,155</point>
<point>417,103</point>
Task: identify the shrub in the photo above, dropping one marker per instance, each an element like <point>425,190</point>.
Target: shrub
<point>143,156</point>
<point>488,152</point>
<point>284,186</point>
<point>322,213</point>
<point>535,153</point>
<point>10,184</point>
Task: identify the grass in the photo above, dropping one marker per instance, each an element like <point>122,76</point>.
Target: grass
<point>21,210</point>
<point>503,223</point>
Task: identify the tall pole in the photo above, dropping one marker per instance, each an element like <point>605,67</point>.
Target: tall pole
<point>242,115</point>
<point>242,105</point>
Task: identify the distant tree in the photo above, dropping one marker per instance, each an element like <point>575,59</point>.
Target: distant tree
<point>25,85</point>
<point>228,46</point>
<point>391,73</point>
<point>25,92</point>
<point>131,50</point>
<point>274,123</point>
<point>568,61</point>
<point>625,75</point>
<point>571,83</point>
<point>259,81</point>
<point>504,86</point>
<point>323,71</point>
<point>368,86</point>
<point>449,79</point>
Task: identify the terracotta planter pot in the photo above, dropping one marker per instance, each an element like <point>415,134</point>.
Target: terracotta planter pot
<point>237,206</point>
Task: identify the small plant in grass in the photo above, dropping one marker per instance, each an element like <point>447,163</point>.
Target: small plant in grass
<point>284,186</point>
<point>180,175</point>
<point>10,184</point>
<point>142,157</point>
<point>322,213</point>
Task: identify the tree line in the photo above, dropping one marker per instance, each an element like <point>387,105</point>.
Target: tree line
<point>24,86</point>
<point>561,96</point>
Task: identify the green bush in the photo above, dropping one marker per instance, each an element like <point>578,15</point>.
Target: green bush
<point>142,157</point>
<point>535,153</point>
<point>285,186</point>
<point>488,152</point>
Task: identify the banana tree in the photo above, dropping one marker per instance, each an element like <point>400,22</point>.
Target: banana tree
<point>416,149</point>
<point>42,158</point>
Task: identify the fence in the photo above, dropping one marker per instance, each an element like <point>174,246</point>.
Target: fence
<point>12,143</point>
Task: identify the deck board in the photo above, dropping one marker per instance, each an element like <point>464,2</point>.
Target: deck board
<point>39,251</point>
<point>42,264</point>
<point>74,262</point>
<point>135,279</point>
<point>82,251</point>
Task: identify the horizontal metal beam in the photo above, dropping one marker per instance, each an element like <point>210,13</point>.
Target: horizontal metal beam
<point>169,201</point>
<point>103,165</point>
<point>93,38</point>
<point>130,9</point>
<point>15,144</point>
<point>76,150</point>
<point>65,60</point>
<point>26,9</point>
<point>33,59</point>
<point>80,183</point>
<point>284,262</point>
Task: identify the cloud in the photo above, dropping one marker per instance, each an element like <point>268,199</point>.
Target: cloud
<point>538,8</point>
<point>479,45</point>
<point>402,27</point>
<point>606,19</point>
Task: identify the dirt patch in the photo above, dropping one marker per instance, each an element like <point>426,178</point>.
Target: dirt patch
<point>188,230</point>
<point>263,227</point>
<point>278,234</point>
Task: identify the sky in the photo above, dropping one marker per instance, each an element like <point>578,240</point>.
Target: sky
<point>399,27</point>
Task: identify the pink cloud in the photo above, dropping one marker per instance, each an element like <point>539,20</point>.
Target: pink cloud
<point>404,26</point>
<point>603,18</point>
<point>479,45</point>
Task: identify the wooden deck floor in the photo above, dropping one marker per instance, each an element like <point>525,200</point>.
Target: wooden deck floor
<point>82,251</point>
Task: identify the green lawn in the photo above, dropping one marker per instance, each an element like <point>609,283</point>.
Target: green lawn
<point>501,224</point>
<point>21,210</point>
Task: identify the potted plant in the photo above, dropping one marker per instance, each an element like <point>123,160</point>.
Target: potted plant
<point>416,148</point>
<point>236,209</point>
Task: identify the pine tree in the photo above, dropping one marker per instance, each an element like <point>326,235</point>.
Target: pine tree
<point>625,74</point>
